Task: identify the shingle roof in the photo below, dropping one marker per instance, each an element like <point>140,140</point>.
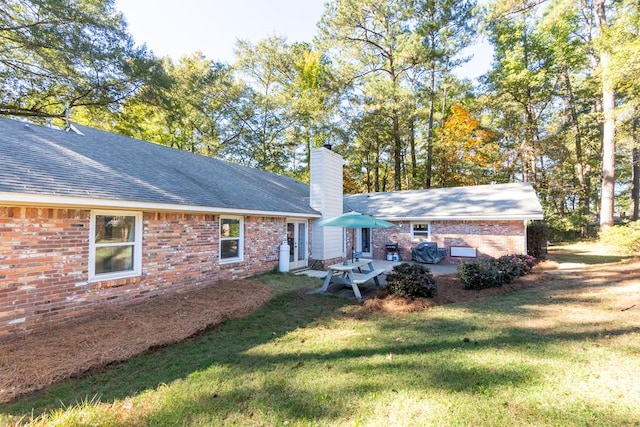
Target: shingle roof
<point>496,201</point>
<point>101,165</point>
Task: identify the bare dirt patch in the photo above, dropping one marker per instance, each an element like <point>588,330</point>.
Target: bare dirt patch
<point>36,360</point>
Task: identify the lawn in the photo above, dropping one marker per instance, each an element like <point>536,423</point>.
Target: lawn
<point>564,353</point>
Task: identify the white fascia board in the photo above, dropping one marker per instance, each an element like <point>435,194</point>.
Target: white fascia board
<point>466,218</point>
<point>92,203</point>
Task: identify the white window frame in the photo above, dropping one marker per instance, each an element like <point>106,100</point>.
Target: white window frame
<point>420,236</point>
<point>240,239</point>
<point>137,247</point>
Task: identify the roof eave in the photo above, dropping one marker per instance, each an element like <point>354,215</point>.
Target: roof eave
<point>515,217</point>
<point>27,199</point>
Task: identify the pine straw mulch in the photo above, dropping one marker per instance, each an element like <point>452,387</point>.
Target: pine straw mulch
<point>451,290</point>
<point>75,348</point>
<point>36,360</point>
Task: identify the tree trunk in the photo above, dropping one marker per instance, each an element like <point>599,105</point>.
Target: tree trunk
<point>635,172</point>
<point>430,131</point>
<point>412,147</point>
<point>376,167</point>
<point>608,130</point>
<point>397,152</point>
<point>583,191</point>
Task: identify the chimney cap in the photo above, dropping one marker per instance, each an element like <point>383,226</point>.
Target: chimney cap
<point>327,146</point>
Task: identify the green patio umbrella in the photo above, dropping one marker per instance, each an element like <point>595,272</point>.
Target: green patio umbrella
<point>355,220</point>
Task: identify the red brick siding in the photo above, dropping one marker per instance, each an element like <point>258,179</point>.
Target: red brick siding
<point>44,262</point>
<point>490,238</point>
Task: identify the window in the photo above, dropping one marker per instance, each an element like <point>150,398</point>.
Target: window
<point>115,248</point>
<point>231,239</point>
<point>420,231</point>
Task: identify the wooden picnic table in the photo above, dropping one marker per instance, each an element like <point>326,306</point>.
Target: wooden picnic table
<point>352,273</point>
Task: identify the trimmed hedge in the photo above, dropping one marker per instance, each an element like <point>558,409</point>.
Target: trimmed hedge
<point>411,281</point>
<point>494,272</point>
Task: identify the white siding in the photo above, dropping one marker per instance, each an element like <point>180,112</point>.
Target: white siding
<point>326,197</point>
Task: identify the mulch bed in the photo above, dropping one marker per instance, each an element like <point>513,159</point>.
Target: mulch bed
<point>450,290</point>
<point>36,360</point>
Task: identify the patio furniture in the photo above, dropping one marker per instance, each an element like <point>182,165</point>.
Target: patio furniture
<point>352,274</point>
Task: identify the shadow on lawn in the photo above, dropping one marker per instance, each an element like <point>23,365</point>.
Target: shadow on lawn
<point>587,255</point>
<point>223,351</point>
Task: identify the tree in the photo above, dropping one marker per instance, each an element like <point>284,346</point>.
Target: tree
<point>376,49</point>
<point>312,99</point>
<point>607,196</point>
<point>466,154</point>
<point>263,118</point>
<point>446,28</point>
<point>523,85</point>
<point>60,54</point>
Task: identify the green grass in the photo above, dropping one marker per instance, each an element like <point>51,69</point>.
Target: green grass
<point>589,253</point>
<point>563,354</point>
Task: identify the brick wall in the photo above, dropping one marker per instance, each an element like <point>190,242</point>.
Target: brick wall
<point>44,262</point>
<point>490,238</point>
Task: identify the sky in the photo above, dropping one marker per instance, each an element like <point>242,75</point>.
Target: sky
<point>180,27</point>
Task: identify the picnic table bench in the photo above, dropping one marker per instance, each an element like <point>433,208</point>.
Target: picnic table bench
<point>352,274</point>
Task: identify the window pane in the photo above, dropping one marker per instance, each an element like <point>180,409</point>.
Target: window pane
<point>365,240</point>
<point>229,227</point>
<point>302,241</point>
<point>420,228</point>
<point>229,249</point>
<point>114,229</point>
<point>291,241</point>
<point>112,259</point>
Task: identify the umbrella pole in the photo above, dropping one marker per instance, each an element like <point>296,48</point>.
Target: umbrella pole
<point>353,242</point>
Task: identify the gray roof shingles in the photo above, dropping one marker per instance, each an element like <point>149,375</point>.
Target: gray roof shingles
<point>103,165</point>
<point>509,201</point>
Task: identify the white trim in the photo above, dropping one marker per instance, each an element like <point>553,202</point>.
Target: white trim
<point>296,263</point>
<point>137,247</point>
<point>240,239</point>
<point>413,236</point>
<point>82,202</point>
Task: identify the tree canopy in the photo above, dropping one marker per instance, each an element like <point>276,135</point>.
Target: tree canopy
<point>559,107</point>
<point>59,54</point>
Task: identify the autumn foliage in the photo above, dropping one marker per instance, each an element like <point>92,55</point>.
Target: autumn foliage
<point>463,152</point>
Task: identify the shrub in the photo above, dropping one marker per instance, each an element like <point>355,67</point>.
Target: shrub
<point>479,275</point>
<point>494,271</point>
<point>411,281</point>
<point>537,237</point>
<point>623,238</point>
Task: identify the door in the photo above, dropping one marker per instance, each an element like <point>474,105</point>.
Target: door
<point>297,241</point>
<point>364,242</point>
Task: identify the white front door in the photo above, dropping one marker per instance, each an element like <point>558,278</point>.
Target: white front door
<point>297,241</point>
<point>364,242</point>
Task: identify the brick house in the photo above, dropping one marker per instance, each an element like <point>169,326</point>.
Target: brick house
<point>89,218</point>
<point>470,222</point>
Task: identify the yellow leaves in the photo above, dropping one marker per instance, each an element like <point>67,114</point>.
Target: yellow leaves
<point>463,149</point>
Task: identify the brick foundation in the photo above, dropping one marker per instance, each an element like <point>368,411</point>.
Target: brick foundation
<point>44,262</point>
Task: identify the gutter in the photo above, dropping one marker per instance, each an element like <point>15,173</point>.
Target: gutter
<point>9,199</point>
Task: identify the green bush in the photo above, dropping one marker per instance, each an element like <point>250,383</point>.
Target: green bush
<point>537,237</point>
<point>411,281</point>
<point>623,238</point>
<point>493,272</point>
<point>480,274</point>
